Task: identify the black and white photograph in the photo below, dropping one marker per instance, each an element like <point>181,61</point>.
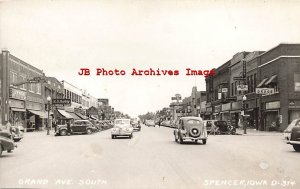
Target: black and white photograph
<point>150,94</point>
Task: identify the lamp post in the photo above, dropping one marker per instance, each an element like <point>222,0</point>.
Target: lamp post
<point>48,109</point>
<point>243,114</point>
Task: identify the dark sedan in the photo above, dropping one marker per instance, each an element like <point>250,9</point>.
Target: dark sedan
<point>78,127</point>
<point>6,143</point>
<point>294,138</point>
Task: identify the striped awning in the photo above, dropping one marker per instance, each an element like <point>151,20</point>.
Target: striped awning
<point>65,114</point>
<point>272,79</point>
<point>18,109</point>
<point>75,117</point>
<point>262,83</point>
<point>82,116</point>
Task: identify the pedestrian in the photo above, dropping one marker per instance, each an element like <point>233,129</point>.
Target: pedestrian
<point>54,123</point>
<point>159,122</point>
<point>69,127</point>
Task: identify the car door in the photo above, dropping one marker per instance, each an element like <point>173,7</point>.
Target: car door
<point>74,126</point>
<point>82,127</point>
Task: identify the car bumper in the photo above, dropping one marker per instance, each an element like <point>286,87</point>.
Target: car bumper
<point>292,142</point>
<point>121,133</point>
<point>194,138</point>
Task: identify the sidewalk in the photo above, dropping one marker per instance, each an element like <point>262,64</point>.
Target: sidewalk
<point>254,132</point>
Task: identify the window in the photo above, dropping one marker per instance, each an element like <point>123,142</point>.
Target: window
<point>254,82</point>
<point>13,77</point>
<point>297,81</point>
<point>38,88</point>
<point>232,87</point>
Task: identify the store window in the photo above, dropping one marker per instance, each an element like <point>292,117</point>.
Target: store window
<point>297,81</point>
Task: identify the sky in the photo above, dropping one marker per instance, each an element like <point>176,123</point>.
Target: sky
<point>60,37</point>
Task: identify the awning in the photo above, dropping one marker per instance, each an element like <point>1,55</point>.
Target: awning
<point>94,118</point>
<point>81,116</point>
<point>42,114</point>
<point>74,115</point>
<point>261,83</point>
<point>18,109</point>
<point>271,80</point>
<point>65,114</point>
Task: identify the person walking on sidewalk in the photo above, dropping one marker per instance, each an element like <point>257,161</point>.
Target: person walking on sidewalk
<point>159,122</point>
<point>69,127</point>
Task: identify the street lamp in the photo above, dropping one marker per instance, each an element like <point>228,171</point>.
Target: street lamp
<point>244,108</point>
<point>48,109</point>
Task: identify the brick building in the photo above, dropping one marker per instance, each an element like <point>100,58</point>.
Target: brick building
<point>277,69</point>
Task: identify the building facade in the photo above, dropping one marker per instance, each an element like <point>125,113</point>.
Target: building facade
<point>275,70</point>
<point>22,101</point>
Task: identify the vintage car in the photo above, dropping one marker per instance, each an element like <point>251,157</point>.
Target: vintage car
<point>135,124</point>
<point>6,143</point>
<point>222,127</point>
<point>17,132</point>
<point>210,126</point>
<point>287,132</point>
<point>190,128</point>
<point>166,123</point>
<point>78,127</point>
<point>150,123</point>
<point>293,137</point>
<point>122,127</point>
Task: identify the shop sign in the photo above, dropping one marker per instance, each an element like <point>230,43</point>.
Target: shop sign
<point>17,94</point>
<point>61,101</point>
<point>224,90</point>
<point>35,99</point>
<point>242,87</point>
<point>265,91</point>
<point>226,106</point>
<point>273,105</point>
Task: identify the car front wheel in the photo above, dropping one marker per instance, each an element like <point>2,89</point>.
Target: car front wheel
<point>89,131</point>
<point>296,148</point>
<point>204,141</point>
<point>63,132</point>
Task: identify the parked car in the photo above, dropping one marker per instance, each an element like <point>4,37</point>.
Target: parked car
<point>287,132</point>
<point>17,132</point>
<point>190,128</point>
<point>292,134</point>
<point>97,124</point>
<point>166,123</point>
<point>210,125</point>
<point>78,127</point>
<point>6,142</point>
<point>122,127</point>
<point>135,124</point>
<point>150,123</point>
<point>222,127</point>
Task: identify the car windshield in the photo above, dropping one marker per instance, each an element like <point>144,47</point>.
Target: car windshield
<point>193,122</point>
<point>122,122</point>
<point>291,125</point>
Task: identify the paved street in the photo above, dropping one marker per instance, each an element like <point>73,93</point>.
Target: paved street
<point>151,159</point>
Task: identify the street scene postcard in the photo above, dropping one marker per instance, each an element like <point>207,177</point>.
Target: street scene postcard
<point>150,94</point>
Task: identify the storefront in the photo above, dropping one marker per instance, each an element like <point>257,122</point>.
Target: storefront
<point>225,114</point>
<point>252,112</point>
<point>36,116</point>
<point>17,107</point>
<point>62,116</point>
<point>294,110</point>
<point>235,113</point>
<point>272,116</point>
<point>217,110</point>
